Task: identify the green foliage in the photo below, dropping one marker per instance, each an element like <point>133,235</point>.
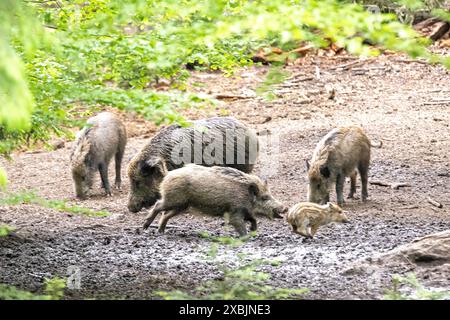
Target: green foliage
<point>3,179</point>
<point>28,197</point>
<point>245,282</point>
<point>5,230</point>
<point>405,10</point>
<point>54,290</point>
<point>417,291</point>
<point>274,76</point>
<point>97,53</point>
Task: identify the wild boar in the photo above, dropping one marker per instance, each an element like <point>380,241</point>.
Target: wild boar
<point>306,217</point>
<point>215,191</point>
<point>104,137</point>
<point>338,155</point>
<point>219,141</point>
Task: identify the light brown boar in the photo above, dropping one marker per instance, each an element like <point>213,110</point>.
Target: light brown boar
<point>104,137</point>
<point>215,191</point>
<point>338,155</point>
<point>306,217</point>
<point>217,141</point>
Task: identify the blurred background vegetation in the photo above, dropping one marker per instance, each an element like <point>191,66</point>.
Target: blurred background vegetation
<point>60,60</point>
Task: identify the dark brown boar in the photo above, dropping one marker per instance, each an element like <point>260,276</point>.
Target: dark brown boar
<point>219,141</point>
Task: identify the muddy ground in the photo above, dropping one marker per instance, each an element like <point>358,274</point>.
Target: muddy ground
<point>404,104</point>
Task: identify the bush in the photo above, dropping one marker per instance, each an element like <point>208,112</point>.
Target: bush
<point>29,197</point>
<point>409,288</point>
<point>54,290</point>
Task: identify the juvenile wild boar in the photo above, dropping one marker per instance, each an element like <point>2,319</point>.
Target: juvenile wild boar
<point>338,155</point>
<point>104,137</point>
<point>209,142</point>
<point>306,217</point>
<point>215,191</point>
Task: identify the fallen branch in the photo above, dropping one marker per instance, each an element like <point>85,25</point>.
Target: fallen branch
<point>434,202</point>
<point>409,207</point>
<point>346,66</point>
<point>411,61</point>
<point>302,49</point>
<point>232,96</point>
<point>170,226</point>
<point>294,83</point>
<point>436,103</point>
<point>395,185</point>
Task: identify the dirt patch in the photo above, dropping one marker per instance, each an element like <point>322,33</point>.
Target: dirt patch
<point>401,103</point>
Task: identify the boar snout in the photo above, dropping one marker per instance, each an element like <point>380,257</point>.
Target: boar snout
<point>279,212</point>
<point>136,206</point>
<point>345,218</point>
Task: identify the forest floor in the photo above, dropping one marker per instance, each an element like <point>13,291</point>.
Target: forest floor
<point>404,104</point>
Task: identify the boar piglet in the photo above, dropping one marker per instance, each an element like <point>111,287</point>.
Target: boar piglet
<point>306,217</point>
<point>338,155</point>
<point>215,191</point>
<point>104,137</point>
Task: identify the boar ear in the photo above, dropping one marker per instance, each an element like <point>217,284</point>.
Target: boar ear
<point>307,164</point>
<point>324,171</point>
<point>146,168</point>
<point>253,190</point>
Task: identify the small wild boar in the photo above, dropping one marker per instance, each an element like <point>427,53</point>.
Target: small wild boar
<point>338,155</point>
<point>306,217</point>
<point>215,191</point>
<point>104,137</point>
<point>219,141</point>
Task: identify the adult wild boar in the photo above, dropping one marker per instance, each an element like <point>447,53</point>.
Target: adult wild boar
<point>220,141</point>
<point>338,155</point>
<point>104,137</point>
<point>215,191</point>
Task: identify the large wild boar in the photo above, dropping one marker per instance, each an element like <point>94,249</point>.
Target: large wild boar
<point>215,141</point>
<point>338,155</point>
<point>215,191</point>
<point>104,137</point>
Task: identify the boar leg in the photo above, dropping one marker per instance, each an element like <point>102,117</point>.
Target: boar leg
<point>340,180</point>
<point>253,223</point>
<point>103,168</point>
<point>159,206</point>
<point>352,185</point>
<point>165,218</point>
<point>314,229</point>
<point>363,169</point>
<point>118,162</point>
<point>238,222</point>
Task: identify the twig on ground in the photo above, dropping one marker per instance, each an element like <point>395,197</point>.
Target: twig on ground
<point>411,61</point>
<point>232,96</point>
<point>394,185</point>
<point>434,202</point>
<point>346,66</point>
<point>169,226</point>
